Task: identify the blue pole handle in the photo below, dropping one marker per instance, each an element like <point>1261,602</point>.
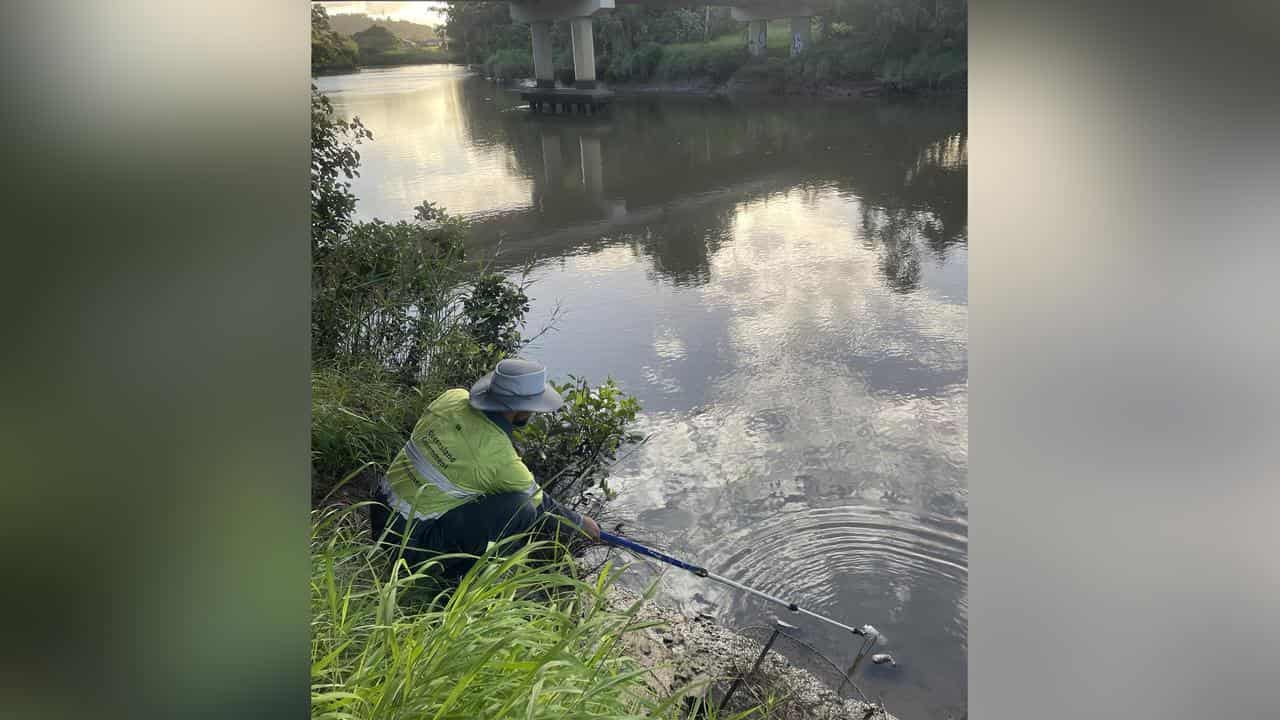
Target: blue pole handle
<point>638,548</point>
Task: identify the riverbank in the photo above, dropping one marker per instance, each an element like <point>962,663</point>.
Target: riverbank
<point>385,642</point>
<point>379,65</point>
<point>759,79</point>
<point>679,650</point>
<point>735,86</point>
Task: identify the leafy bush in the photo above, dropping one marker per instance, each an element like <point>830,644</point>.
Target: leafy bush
<point>717,62</point>
<point>515,637</point>
<point>676,25</point>
<point>494,312</point>
<point>570,450</point>
<point>330,51</point>
<point>334,162</point>
<point>479,29</point>
<point>635,66</point>
<point>398,316</point>
<point>409,56</point>
<point>383,292</point>
<point>375,40</point>
<point>509,64</point>
<point>828,62</point>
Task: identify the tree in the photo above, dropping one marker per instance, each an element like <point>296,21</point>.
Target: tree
<point>479,29</point>
<point>334,161</point>
<point>376,40</point>
<point>329,49</point>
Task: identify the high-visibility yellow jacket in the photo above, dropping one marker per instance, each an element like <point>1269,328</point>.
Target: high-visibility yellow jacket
<point>456,454</point>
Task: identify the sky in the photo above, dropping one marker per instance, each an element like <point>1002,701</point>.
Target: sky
<point>422,12</point>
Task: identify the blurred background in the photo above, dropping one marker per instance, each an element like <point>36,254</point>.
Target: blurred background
<point>1122,346</point>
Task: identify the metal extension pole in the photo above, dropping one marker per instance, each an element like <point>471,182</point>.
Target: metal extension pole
<point>700,571</point>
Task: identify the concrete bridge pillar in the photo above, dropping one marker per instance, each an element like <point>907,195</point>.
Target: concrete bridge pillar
<point>758,37</point>
<point>540,13</point>
<point>584,52</point>
<point>801,35</point>
<point>758,14</point>
<point>543,69</point>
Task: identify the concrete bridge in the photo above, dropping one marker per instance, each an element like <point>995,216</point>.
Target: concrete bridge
<point>539,14</point>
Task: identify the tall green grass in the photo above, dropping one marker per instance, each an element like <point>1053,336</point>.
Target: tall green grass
<point>515,638</point>
<point>359,415</point>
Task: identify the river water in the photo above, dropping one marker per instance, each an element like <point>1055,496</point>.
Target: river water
<point>783,286</point>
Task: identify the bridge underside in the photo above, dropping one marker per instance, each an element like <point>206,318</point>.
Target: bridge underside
<point>539,14</point>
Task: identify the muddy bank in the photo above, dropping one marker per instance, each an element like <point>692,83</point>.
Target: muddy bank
<point>683,650</point>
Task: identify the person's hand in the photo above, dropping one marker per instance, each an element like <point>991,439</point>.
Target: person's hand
<point>591,528</point>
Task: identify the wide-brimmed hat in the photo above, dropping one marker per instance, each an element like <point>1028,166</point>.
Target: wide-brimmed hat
<point>516,384</point>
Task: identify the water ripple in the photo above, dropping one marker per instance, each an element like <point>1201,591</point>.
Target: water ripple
<point>808,555</point>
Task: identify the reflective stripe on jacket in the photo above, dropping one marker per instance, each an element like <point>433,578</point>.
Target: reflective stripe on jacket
<point>456,454</point>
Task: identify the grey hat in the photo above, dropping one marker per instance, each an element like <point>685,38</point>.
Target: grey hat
<point>516,384</point>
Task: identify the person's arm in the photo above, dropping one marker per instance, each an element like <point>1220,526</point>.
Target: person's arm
<point>581,521</point>
<point>553,506</point>
<point>515,477</point>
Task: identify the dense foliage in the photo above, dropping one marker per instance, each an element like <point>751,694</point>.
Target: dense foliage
<point>517,637</point>
<point>330,51</point>
<point>572,448</point>
<point>375,40</point>
<point>334,162</point>
<point>359,415</point>
<point>344,50</point>
<point>408,55</point>
<point>477,30</point>
<point>400,314</point>
<point>509,64</point>
<point>905,44</point>
<point>351,23</point>
<point>386,291</point>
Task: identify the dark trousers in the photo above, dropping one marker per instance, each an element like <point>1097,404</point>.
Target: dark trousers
<point>466,529</point>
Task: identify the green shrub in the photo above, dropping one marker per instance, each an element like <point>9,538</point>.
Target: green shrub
<point>509,64</point>
<point>408,56</point>
<point>716,62</point>
<point>570,451</point>
<point>494,313</point>
<point>374,40</point>
<point>334,162</point>
<point>330,51</point>
<point>383,292</point>
<point>835,61</point>
<point>514,638</point>
<point>635,66</point>
<point>398,316</point>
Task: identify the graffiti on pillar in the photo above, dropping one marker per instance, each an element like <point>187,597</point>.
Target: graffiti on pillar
<point>797,43</point>
<point>761,41</point>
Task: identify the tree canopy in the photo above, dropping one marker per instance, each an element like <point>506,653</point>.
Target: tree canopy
<point>329,49</point>
<point>351,23</point>
<point>377,39</point>
<point>334,162</point>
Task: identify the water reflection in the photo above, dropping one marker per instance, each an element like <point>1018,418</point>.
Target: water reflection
<point>667,177</point>
<point>783,285</point>
<point>546,185</point>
